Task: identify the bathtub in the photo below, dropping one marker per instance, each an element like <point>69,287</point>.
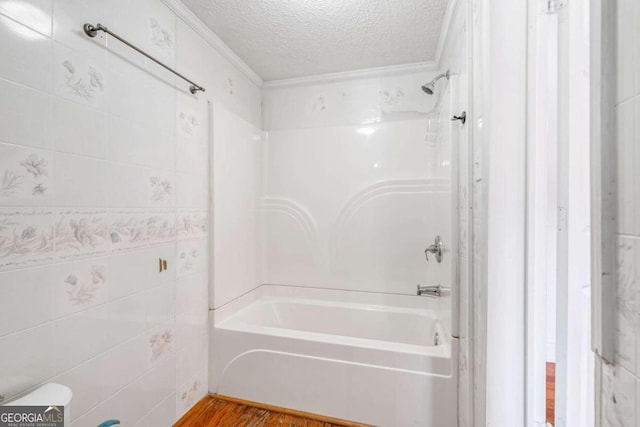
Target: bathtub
<point>385,360</point>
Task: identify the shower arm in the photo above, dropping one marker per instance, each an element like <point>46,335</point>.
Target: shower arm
<point>439,76</point>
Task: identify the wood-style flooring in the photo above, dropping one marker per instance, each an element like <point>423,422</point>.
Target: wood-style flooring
<point>551,392</point>
<point>224,411</point>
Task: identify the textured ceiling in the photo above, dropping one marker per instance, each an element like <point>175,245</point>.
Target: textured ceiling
<point>282,39</point>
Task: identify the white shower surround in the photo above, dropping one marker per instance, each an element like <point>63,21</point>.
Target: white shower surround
<point>385,360</point>
<point>356,182</point>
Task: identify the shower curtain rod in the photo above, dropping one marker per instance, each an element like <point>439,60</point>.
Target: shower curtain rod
<point>92,31</point>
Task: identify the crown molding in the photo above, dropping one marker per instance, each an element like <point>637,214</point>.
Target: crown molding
<point>212,38</point>
<point>354,74</point>
<point>444,32</point>
<point>219,45</point>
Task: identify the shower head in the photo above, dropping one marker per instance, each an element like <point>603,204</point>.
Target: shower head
<point>429,88</point>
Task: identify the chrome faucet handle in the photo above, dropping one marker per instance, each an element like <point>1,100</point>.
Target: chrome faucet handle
<point>436,248</point>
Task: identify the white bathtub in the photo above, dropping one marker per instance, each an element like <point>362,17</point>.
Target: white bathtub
<point>385,360</point>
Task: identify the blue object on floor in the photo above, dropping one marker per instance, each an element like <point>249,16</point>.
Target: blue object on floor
<point>109,423</point>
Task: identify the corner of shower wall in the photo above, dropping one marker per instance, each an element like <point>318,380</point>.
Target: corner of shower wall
<point>455,56</point>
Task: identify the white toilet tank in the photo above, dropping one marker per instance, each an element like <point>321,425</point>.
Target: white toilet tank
<point>48,395</point>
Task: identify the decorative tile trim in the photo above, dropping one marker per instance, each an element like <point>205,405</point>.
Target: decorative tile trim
<point>161,343</point>
<point>80,285</point>
<point>160,36</point>
<point>192,224</point>
<point>82,290</point>
<point>191,394</point>
<point>392,97</point>
<point>81,233</point>
<point>191,255</point>
<point>26,238</point>
<point>139,229</point>
<point>228,86</point>
<point>26,179</point>
<point>318,104</point>
<point>188,123</point>
<point>80,85</point>
<point>161,190</point>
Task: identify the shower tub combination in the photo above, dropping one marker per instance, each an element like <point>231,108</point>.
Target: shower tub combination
<point>380,359</point>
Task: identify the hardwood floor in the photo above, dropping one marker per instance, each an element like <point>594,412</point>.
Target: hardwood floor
<point>224,411</point>
<point>551,392</point>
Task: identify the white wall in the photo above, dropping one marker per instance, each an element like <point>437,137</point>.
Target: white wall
<point>499,96</point>
<point>357,183</point>
<point>455,57</point>
<point>618,386</point>
<point>103,156</point>
<point>574,367</point>
<point>237,189</point>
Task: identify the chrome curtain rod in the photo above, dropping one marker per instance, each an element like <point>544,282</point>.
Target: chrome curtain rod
<point>92,31</point>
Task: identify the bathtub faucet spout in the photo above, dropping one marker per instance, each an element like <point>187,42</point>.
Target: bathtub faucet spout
<point>434,290</point>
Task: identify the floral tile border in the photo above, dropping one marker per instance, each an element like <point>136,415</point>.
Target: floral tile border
<point>81,233</point>
<point>137,229</point>
<point>26,237</point>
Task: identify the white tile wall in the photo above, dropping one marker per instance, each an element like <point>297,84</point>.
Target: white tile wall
<point>35,14</point>
<point>19,105</point>
<point>79,130</point>
<point>165,410</point>
<point>33,70</point>
<point>140,145</point>
<point>138,398</point>
<point>26,358</point>
<point>620,386</point>
<point>18,313</point>
<point>80,181</point>
<point>103,169</point>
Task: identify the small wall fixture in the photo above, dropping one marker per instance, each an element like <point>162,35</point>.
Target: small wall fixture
<point>462,117</point>
<point>437,249</point>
